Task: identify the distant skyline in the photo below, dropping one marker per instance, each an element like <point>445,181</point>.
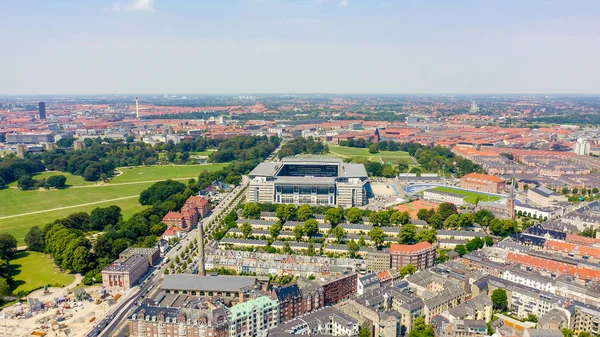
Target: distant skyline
<point>299,46</point>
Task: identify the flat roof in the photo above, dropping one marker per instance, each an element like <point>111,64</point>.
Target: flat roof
<point>204,283</point>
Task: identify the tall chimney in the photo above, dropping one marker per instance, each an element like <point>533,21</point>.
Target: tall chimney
<point>201,268</point>
<point>137,109</point>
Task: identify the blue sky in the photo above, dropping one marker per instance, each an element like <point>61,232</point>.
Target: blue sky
<point>299,46</point>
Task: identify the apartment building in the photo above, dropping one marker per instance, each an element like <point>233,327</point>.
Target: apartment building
<point>253,317</point>
<point>420,255</point>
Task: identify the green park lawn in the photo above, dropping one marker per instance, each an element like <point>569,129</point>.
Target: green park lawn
<point>33,270</point>
<point>145,173</point>
<point>51,203</point>
<point>390,157</point>
<point>470,197</point>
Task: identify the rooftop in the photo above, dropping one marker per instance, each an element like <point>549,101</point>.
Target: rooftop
<point>198,282</point>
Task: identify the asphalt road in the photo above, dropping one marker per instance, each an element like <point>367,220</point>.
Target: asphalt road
<point>109,326</point>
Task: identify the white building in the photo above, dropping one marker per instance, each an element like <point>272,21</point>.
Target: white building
<point>253,317</point>
<point>582,147</point>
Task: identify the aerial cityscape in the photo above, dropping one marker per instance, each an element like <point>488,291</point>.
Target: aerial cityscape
<point>300,168</point>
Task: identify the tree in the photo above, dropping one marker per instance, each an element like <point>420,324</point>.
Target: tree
<point>565,190</point>
<point>285,212</point>
<point>298,232</point>
<point>251,211</point>
<point>388,171</point>
<point>409,269</point>
<point>446,209</point>
<point>408,234</point>
<point>275,229</point>
<point>483,217</point>
<point>334,216</point>
<point>532,318</point>
<point>353,248</point>
<point>100,218</point>
<point>453,221</point>
<point>361,241</point>
<point>423,214</point>
<point>575,190</point>
<point>436,221</point>
<point>57,181</point>
<point>373,148</point>
<point>339,233</point>
<point>310,251</point>
<point>35,239</point>
<point>442,256</point>
<point>311,227</point>
<point>246,229</point>
<point>421,329</point>
<point>26,183</point>
<point>429,235</point>
<point>4,287</point>
<point>160,192</point>
<point>585,334</point>
<point>304,212</point>
<point>8,245</point>
<point>377,236</point>
<point>489,241</point>
<point>400,218</point>
<point>364,332</point>
<point>287,249</point>
<point>93,171</point>
<point>499,299</point>
<point>354,215</point>
<point>567,332</point>
<point>460,249</point>
<point>467,219</point>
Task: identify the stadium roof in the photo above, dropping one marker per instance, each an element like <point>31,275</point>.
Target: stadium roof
<point>348,170</point>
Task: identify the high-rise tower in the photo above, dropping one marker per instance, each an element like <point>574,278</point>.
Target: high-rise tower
<point>42,110</point>
<point>137,108</point>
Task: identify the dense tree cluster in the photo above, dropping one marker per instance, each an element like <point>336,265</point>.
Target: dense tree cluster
<point>245,148</point>
<point>100,158</point>
<point>161,191</point>
<point>25,182</point>
<point>474,244</point>
<point>302,145</point>
<point>13,168</point>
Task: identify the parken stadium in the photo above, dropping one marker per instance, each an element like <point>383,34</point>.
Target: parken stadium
<point>314,180</point>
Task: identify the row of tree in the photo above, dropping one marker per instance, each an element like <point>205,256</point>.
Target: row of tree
<point>26,182</point>
<point>13,168</point>
<point>302,145</point>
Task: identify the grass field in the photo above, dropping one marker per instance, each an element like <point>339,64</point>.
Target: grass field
<point>145,173</point>
<point>389,157</point>
<point>55,204</point>
<point>470,197</point>
<point>32,270</point>
<point>72,180</point>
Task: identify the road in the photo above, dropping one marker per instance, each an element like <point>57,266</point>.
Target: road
<point>118,313</point>
<point>111,325</point>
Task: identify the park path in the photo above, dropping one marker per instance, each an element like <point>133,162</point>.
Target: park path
<point>129,183</point>
<point>67,207</point>
<point>339,154</point>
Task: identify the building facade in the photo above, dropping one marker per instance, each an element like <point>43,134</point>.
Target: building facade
<point>309,180</point>
<point>253,317</point>
<point>124,273</point>
<point>420,255</point>
<point>482,182</point>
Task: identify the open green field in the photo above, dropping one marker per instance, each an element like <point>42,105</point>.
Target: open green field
<point>203,153</point>
<point>72,180</point>
<point>389,157</point>
<point>33,270</point>
<point>21,210</point>
<point>145,173</point>
<point>470,197</point>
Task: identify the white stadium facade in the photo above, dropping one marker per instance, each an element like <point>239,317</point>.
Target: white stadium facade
<point>313,180</point>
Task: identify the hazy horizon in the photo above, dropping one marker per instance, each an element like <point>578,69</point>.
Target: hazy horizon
<point>369,47</point>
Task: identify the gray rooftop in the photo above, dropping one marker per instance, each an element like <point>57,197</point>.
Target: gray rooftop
<point>203,283</point>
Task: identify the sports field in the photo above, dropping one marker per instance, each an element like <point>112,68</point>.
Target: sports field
<point>21,210</point>
<point>389,157</point>
<point>470,197</point>
<point>33,270</point>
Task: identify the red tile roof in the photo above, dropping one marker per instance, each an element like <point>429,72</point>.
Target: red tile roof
<point>399,248</point>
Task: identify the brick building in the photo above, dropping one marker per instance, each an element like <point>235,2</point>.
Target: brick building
<point>290,302</point>
<point>339,288</point>
<point>124,273</point>
<point>420,255</point>
<point>482,182</point>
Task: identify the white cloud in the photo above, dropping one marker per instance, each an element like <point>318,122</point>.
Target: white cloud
<point>343,3</point>
<point>133,5</point>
